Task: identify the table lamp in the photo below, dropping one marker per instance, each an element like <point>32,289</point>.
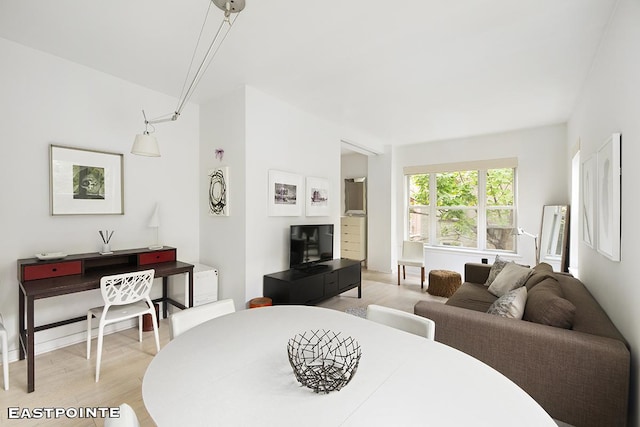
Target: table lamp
<point>154,222</point>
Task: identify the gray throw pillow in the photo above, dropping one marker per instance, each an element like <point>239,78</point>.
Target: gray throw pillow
<point>511,277</point>
<point>496,268</point>
<point>546,305</point>
<point>511,305</point>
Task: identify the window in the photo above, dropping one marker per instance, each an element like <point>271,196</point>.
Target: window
<point>464,208</point>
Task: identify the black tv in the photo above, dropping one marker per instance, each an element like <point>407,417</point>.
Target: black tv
<point>310,244</point>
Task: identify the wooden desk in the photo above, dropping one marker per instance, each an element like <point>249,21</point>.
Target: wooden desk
<point>82,272</point>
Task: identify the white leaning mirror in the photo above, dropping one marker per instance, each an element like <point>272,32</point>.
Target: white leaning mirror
<point>554,237</point>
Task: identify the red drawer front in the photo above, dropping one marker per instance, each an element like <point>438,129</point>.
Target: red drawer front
<point>156,257</point>
<point>45,271</point>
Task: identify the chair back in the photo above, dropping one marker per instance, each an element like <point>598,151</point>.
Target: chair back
<point>412,250</point>
<point>402,320</point>
<point>184,320</point>
<point>128,418</point>
<point>126,288</point>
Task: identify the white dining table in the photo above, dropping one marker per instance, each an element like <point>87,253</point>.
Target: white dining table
<point>234,371</point>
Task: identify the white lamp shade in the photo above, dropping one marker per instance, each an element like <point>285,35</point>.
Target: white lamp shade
<point>145,145</point>
<point>154,221</point>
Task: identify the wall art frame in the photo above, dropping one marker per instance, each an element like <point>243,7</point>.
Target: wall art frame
<point>85,182</point>
<point>609,197</point>
<point>219,191</point>
<point>318,198</point>
<point>589,195</point>
<point>284,194</point>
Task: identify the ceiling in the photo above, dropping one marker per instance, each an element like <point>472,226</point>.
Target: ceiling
<point>397,72</point>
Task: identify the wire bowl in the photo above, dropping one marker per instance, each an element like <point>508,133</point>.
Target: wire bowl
<point>322,360</point>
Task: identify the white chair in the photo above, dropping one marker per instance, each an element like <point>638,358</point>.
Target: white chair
<point>5,353</point>
<point>127,418</point>
<point>184,320</point>
<point>413,256</point>
<point>402,320</point>
<point>125,296</point>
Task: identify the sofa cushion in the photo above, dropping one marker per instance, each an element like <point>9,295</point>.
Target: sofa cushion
<point>510,305</point>
<point>496,268</point>
<point>472,296</point>
<point>511,277</point>
<point>546,305</point>
<point>540,272</point>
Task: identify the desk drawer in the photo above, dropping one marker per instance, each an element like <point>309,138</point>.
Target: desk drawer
<point>57,269</point>
<point>156,257</point>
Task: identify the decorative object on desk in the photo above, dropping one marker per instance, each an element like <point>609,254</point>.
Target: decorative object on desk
<point>609,198</point>
<point>145,144</point>
<point>285,194</point>
<point>44,256</point>
<point>589,193</point>
<point>219,153</point>
<point>219,191</point>
<point>154,222</point>
<point>106,238</point>
<point>85,182</point>
<point>317,200</point>
<point>322,360</point>
<point>520,231</point>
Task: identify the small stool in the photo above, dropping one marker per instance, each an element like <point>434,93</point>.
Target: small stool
<point>260,302</point>
<point>443,283</point>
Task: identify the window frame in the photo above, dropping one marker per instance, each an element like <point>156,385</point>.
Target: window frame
<point>482,206</point>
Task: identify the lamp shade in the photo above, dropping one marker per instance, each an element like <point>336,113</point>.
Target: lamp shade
<point>145,145</point>
<point>154,220</point>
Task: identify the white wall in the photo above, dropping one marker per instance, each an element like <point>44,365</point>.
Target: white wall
<point>48,100</point>
<point>282,137</point>
<point>222,239</point>
<point>382,213</point>
<point>542,175</point>
<point>610,102</point>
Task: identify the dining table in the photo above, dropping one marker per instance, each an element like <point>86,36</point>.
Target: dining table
<point>234,371</point>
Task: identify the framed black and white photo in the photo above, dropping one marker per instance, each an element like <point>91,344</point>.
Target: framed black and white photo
<point>609,184</point>
<point>317,197</point>
<point>285,194</point>
<point>589,194</point>
<point>85,182</point>
<point>219,191</point>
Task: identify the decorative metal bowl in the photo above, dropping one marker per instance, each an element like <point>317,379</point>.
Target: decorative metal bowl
<point>322,360</point>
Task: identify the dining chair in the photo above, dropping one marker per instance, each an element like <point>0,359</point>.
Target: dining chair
<point>413,256</point>
<point>125,296</point>
<point>5,354</point>
<point>402,320</point>
<point>184,320</point>
<point>127,418</point>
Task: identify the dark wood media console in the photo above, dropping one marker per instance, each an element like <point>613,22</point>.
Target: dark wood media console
<point>309,287</point>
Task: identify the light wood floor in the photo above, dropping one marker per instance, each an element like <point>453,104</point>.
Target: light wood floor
<point>65,378</point>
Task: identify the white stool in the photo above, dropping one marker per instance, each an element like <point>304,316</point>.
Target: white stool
<point>5,353</point>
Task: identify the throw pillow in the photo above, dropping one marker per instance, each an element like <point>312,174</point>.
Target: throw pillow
<point>540,272</point>
<point>511,305</point>
<point>496,268</point>
<point>546,305</point>
<point>511,277</point>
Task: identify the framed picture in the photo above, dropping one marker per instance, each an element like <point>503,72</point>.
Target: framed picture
<point>609,180</point>
<point>219,191</point>
<point>285,194</point>
<point>589,194</point>
<point>317,197</point>
<point>85,182</point>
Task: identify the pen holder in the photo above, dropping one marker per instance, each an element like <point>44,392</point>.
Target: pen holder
<point>106,249</point>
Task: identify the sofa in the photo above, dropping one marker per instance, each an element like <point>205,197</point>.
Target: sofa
<point>577,371</point>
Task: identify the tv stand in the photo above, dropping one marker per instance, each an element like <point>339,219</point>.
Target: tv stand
<point>310,286</point>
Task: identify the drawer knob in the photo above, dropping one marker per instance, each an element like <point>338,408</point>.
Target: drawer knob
<point>54,269</point>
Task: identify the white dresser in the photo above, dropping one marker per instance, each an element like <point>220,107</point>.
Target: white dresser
<point>353,238</point>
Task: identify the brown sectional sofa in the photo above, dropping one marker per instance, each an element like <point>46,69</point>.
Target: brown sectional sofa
<point>579,376</point>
